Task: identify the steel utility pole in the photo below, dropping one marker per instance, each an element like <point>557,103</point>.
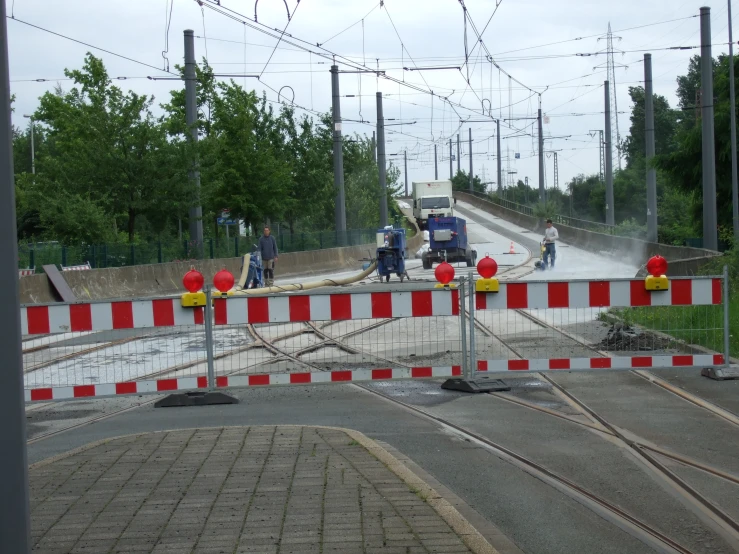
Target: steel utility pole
<point>651,172</point>
<point>459,155</point>
<point>610,215</point>
<point>15,520</point>
<point>710,232</point>
<point>340,209</point>
<point>405,171</point>
<point>472,188</point>
<point>191,115</point>
<point>732,104</point>
<point>451,157</point>
<point>436,164</point>
<point>500,161</point>
<point>542,192</point>
<point>381,161</point>
<point>556,172</point>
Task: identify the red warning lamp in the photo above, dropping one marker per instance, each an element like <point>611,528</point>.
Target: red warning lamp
<point>657,266</point>
<point>193,280</point>
<point>223,280</point>
<point>444,273</point>
<point>487,267</point>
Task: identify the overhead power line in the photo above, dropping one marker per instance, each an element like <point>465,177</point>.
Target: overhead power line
<point>88,45</point>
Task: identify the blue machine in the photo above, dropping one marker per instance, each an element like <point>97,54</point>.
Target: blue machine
<point>254,278</point>
<point>448,241</point>
<point>391,253</point>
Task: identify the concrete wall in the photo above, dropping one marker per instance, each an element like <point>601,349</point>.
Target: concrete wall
<point>163,279</point>
<point>684,260</point>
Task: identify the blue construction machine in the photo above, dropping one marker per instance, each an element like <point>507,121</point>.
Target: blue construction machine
<point>448,241</point>
<point>391,253</point>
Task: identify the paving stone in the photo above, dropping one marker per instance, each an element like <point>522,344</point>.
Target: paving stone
<point>240,490</point>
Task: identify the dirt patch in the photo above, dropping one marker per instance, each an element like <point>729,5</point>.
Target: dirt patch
<point>622,337</point>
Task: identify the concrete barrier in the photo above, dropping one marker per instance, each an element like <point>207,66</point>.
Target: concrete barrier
<point>684,260</point>
<point>164,279</point>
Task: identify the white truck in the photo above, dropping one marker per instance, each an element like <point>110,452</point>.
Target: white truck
<point>432,199</point>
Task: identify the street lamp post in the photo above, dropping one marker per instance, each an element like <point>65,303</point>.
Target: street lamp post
<point>33,154</point>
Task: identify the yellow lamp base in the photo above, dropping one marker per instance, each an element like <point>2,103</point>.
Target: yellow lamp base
<point>487,285</point>
<point>656,283</point>
<point>193,299</point>
<point>441,286</point>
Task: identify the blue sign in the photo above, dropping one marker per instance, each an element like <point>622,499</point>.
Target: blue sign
<point>225,221</point>
<point>518,156</point>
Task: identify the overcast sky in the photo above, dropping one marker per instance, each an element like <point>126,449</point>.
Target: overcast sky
<point>519,37</point>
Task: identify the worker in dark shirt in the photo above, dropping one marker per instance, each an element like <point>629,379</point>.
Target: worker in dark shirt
<point>268,251</point>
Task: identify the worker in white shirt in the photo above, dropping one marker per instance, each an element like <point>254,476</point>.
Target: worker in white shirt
<point>550,236</point>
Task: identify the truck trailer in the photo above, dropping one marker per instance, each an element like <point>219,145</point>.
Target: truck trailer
<point>432,199</point>
<point>448,241</point>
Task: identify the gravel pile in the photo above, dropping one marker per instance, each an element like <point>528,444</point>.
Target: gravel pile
<point>622,337</point>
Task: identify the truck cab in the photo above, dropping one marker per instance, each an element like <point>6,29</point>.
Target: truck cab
<point>432,199</point>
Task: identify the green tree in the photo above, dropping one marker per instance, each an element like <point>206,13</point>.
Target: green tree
<point>665,123</point>
<point>461,182</point>
<point>110,160</point>
<point>684,163</point>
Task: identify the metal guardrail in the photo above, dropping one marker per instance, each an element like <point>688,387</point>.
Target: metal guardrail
<point>556,218</point>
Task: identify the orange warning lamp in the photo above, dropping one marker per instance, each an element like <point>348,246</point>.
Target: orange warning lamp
<point>193,282</point>
<point>487,268</point>
<point>223,281</point>
<point>656,280</point>
<point>444,273</point>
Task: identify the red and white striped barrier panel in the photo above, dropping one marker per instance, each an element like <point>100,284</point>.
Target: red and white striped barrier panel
<point>615,363</point>
<point>168,312</point>
<point>259,380</point>
<point>106,316</point>
<point>81,267</point>
<point>336,307</point>
<point>599,294</point>
<point>26,272</point>
<point>115,389</point>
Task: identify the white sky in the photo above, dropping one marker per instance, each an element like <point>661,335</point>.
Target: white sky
<point>432,33</point>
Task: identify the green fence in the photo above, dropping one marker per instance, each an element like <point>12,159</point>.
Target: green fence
<point>116,255</point>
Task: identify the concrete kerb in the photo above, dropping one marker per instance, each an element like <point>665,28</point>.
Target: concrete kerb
<point>466,532</point>
<point>684,260</point>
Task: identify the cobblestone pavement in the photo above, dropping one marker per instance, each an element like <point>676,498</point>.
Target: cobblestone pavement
<point>233,490</point>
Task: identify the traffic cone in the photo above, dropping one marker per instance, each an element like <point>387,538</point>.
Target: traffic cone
<point>511,251</point>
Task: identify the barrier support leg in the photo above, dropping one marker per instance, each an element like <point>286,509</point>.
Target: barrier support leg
<point>727,371</point>
<point>202,398</point>
<point>471,382</point>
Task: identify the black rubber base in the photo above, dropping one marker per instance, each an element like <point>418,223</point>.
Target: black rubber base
<point>196,398</point>
<point>484,384</point>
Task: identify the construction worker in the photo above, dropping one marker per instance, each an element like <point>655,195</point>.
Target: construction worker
<point>550,237</point>
<point>268,250</point>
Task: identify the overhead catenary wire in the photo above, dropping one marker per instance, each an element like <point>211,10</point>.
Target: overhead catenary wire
<point>90,45</point>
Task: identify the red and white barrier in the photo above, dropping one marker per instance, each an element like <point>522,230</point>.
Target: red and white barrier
<point>106,316</point>
<point>26,272</point>
<point>81,267</point>
<point>259,380</point>
<point>615,363</point>
<point>599,294</point>
<point>336,307</point>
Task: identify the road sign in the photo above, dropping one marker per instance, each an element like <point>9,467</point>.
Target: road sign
<point>226,221</point>
<point>518,155</point>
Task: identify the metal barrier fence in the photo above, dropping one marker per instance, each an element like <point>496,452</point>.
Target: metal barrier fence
<point>33,255</point>
<point>382,332</point>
